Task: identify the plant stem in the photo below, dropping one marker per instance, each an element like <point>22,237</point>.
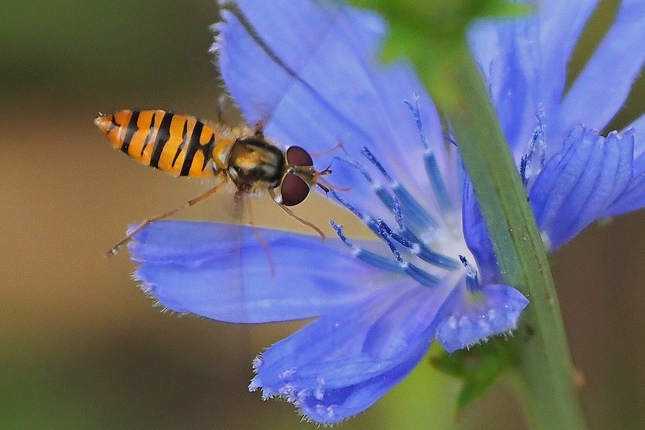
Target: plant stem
<point>545,367</point>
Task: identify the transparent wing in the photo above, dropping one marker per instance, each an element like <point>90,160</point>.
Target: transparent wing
<point>302,90</point>
<point>192,267</point>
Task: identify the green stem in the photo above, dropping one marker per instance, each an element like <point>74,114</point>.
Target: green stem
<point>432,34</point>
<point>544,360</point>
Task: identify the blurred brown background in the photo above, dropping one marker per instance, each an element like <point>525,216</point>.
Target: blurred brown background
<point>82,347</point>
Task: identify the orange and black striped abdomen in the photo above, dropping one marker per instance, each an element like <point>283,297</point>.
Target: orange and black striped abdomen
<point>177,144</point>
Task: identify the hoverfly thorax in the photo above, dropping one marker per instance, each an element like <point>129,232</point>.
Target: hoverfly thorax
<point>254,164</point>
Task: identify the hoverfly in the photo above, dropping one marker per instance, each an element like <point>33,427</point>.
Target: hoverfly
<point>185,146</point>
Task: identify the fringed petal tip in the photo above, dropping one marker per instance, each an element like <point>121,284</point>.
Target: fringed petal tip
<point>309,401</point>
<point>586,180</point>
<point>219,40</point>
<point>317,403</point>
<point>473,318</point>
<point>328,391</point>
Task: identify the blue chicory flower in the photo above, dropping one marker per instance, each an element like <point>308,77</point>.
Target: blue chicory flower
<point>309,71</point>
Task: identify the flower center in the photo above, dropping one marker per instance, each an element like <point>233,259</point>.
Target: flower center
<point>425,245</point>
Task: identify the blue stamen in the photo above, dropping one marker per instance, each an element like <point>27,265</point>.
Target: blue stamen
<point>385,230</point>
<point>537,144</point>
<point>351,208</point>
<point>398,203</point>
<point>368,257</point>
<point>436,259</point>
<point>414,212</point>
<point>413,271</point>
<point>421,276</point>
<point>436,180</point>
<point>430,161</point>
<point>424,252</point>
<point>386,238</point>
<point>398,216</point>
<point>383,194</point>
<point>367,220</point>
<point>366,152</point>
<point>541,142</point>
<point>417,118</point>
<point>418,248</point>
<point>472,281</point>
<point>524,161</point>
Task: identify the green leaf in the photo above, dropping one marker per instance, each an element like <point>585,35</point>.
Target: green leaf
<point>478,367</point>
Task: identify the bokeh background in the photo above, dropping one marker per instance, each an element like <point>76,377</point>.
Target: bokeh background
<point>82,348</point>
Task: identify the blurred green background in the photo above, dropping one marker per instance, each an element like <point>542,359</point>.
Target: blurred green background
<point>82,348</point>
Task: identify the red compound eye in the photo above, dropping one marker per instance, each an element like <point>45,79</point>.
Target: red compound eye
<point>293,189</point>
<point>296,156</point>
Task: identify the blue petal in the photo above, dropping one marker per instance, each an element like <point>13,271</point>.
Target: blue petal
<point>638,127</point>
<point>328,406</point>
<point>221,271</point>
<point>561,23</point>
<point>634,197</point>
<point>508,56</point>
<point>470,320</point>
<point>477,238</point>
<point>604,84</point>
<point>579,183</point>
<point>526,60</point>
<point>342,363</point>
<point>312,74</point>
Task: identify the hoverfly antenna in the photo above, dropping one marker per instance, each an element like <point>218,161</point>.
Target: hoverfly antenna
<point>338,146</point>
<point>318,177</point>
<point>323,183</point>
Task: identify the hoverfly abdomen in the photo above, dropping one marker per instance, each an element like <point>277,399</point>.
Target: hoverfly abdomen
<point>177,144</point>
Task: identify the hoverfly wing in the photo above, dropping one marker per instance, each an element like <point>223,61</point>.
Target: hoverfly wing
<point>200,267</point>
<point>306,103</point>
<point>239,42</point>
<point>194,267</point>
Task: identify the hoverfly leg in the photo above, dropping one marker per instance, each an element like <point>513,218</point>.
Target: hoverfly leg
<point>258,236</point>
<point>258,130</point>
<point>221,102</point>
<point>296,217</point>
<point>113,251</point>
